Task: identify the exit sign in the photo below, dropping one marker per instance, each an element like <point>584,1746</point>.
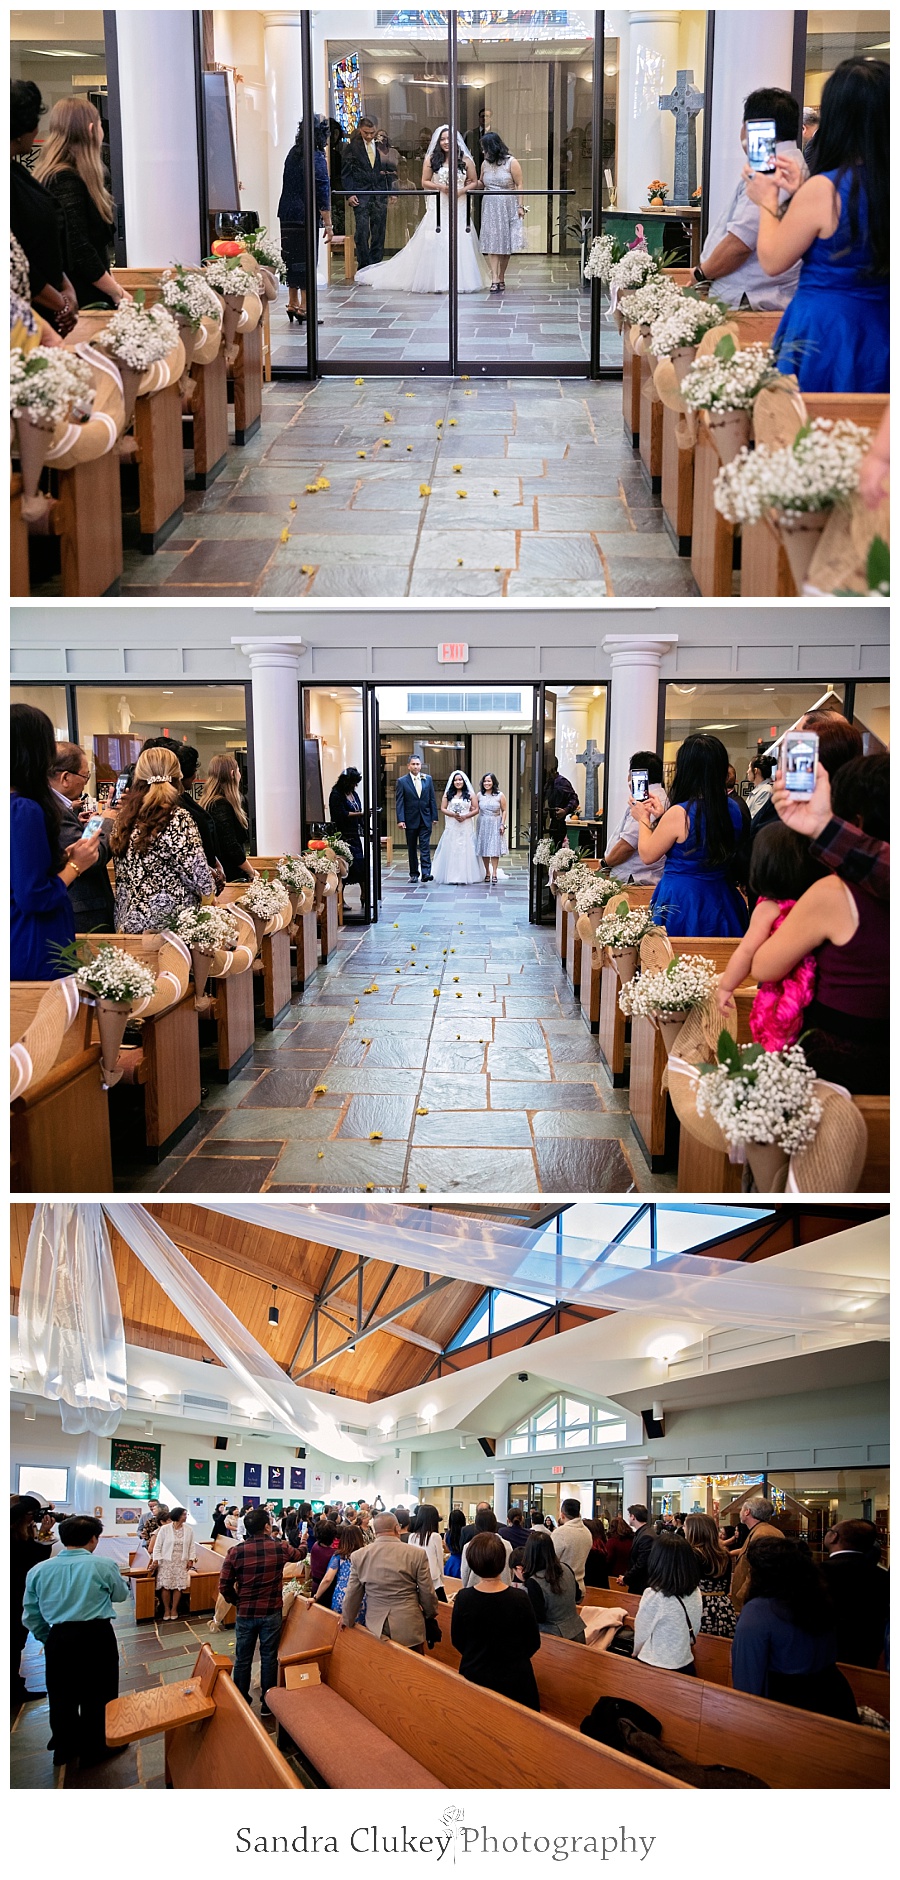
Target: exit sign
<point>452,653</point>
<point>558,1468</point>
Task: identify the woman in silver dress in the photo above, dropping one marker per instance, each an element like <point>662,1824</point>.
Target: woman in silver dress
<point>502,210</point>
<point>490,833</point>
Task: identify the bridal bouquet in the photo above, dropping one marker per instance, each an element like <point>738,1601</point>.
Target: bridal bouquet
<point>796,485</point>
<point>761,1099</point>
<point>208,929</point>
<point>459,806</point>
<point>189,297</point>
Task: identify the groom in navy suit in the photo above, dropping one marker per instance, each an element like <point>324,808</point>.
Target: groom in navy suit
<point>417,813</point>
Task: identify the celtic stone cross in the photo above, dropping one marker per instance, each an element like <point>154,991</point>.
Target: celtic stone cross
<point>591,758</point>
<point>685,102</point>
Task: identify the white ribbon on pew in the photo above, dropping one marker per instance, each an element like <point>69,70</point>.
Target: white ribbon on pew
<point>23,1069</point>
<point>496,1253</point>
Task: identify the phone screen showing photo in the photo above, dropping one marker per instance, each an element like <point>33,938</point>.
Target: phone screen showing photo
<point>801,752</point>
<point>640,785</point>
<point>761,144</point>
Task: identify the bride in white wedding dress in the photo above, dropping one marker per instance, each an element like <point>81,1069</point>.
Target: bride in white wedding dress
<point>423,266</point>
<point>455,859</point>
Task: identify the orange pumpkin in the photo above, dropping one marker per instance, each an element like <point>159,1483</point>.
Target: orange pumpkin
<point>228,249</point>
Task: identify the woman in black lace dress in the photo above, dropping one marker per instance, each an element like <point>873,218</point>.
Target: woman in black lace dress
<point>719,1616</point>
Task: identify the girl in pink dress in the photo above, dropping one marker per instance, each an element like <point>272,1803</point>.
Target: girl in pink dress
<point>781,869</point>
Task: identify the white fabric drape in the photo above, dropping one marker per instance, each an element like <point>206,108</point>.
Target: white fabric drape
<point>264,1380</point>
<point>495,1253</point>
<point>71,1335</point>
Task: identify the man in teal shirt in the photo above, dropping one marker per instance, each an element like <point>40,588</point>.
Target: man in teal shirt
<point>69,1602</point>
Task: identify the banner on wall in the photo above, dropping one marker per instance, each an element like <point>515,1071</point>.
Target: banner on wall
<point>298,1478</point>
<point>134,1470</point>
<point>226,1474</point>
<point>253,1475</point>
<point>198,1474</point>
<point>251,1501</point>
<point>276,1478</point>
<point>198,1510</point>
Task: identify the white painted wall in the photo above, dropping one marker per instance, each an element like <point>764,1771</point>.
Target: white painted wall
<point>159,141</point>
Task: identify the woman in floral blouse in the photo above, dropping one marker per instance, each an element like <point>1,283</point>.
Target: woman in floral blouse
<point>160,865</point>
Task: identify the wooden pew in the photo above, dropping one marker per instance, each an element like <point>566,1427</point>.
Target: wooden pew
<point>327,918</point>
<point>308,1634</point>
<point>650,426</point>
<point>712,538</point>
<point>468,1737</point>
<point>765,569</point>
<point>235,1022</point>
<point>19,574</point>
<point>600,998</point>
<point>209,420</point>
<point>229,1749</point>
<point>875,1178</point>
<point>160,464</point>
<point>677,487</point>
<point>59,1126</point>
<point>562,928</point>
<point>631,390</point>
<point>169,1068</point>
<point>247,383</point>
<point>784,1748</point>
<point>573,942</point>
<point>88,521</point>
<point>650,1116</point>
<point>275,954</point>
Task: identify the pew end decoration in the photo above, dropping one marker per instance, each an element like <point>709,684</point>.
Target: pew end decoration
<point>191,301</point>
<point>605,253</point>
<point>36,1050</point>
<point>135,338</point>
<point>592,897</point>
<point>764,1103</point>
<point>343,855</point>
<point>46,387</point>
<point>321,862</point>
<point>266,252</point>
<point>621,931</point>
<point>668,994</point>
<point>647,304</point>
<point>213,934</point>
<point>300,883</point>
<point>724,385</point>
<point>626,275</point>
<point>231,281</point>
<point>561,860</point>
<point>544,852</point>
<point>679,327</point>
<point>118,986</point>
<point>267,903</point>
<point>795,487</point>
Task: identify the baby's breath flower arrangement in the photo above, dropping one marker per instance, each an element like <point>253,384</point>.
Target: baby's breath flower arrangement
<point>682,322</point>
<point>228,277</point>
<point>730,378</point>
<point>635,267</point>
<point>596,892</point>
<point>45,383</point>
<point>340,848</point>
<point>544,852</point>
<point>648,302</point>
<point>606,251</point>
<point>264,899</point>
<point>136,336</point>
<point>114,974</point>
<point>294,874</point>
<point>576,879</point>
<point>208,929</point>
<point>819,469</point>
<point>688,981</point>
<point>318,861</point>
<point>760,1097</point>
<point>265,249</point>
<point>186,294</point>
<point>560,861</point>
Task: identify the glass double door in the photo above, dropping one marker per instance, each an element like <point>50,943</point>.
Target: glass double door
<point>339,754</point>
<point>568,779</point>
<point>407,282</point>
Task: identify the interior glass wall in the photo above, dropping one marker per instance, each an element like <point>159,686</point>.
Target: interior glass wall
<point>114,721</point>
<point>467,1495</point>
<point>700,1494</point>
<point>51,699</point>
<point>747,718</point>
<point>833,36</point>
<point>577,738</point>
<point>455,727</point>
<point>810,1501</point>
<point>643,53</point>
<point>334,741</point>
<point>872,713</point>
<point>63,54</point>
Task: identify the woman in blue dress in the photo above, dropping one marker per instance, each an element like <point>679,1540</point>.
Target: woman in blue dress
<point>700,837</point>
<point>834,335</point>
<point>332,1588</point>
<point>292,212</point>
<point>41,916</point>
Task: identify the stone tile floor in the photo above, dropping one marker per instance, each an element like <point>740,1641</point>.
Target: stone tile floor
<point>495,1086</point>
<point>532,490</point>
<point>149,1654</point>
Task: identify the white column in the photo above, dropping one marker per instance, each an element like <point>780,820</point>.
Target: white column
<point>635,1470</point>
<point>284,91</point>
<point>274,676</point>
<point>159,137</point>
<point>500,1479</point>
<point>634,661</point>
<point>745,58</point>
<point>651,66</point>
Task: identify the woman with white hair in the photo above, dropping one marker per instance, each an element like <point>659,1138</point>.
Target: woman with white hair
<point>423,266</point>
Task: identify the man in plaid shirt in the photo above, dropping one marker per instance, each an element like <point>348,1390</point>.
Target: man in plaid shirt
<point>840,846</point>
<point>251,1580</point>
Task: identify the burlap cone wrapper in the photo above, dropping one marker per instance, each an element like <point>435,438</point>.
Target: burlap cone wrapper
<point>232,305</point>
<point>778,414</point>
<point>131,380</point>
<point>834,1162</point>
<point>294,896</point>
<point>768,1164</point>
<point>682,359</point>
<point>202,965</point>
<point>268,282</point>
<point>189,336</point>
<point>586,927</point>
<point>670,1028</point>
<point>112,1018</point>
<point>730,432</point>
<point>625,960</point>
<point>619,318</point>
<point>799,531</point>
<point>306,902</point>
<point>841,555</point>
<point>697,1044</point>
<point>32,443</point>
<point>260,928</point>
<point>657,951</point>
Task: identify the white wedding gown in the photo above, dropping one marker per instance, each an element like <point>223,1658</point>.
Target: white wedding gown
<point>423,266</point>
<point>455,859</point>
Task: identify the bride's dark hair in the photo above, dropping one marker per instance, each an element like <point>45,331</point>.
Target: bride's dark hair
<point>451,785</point>
<point>435,152</point>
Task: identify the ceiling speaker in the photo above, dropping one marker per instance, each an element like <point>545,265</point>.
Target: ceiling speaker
<point>488,1444</point>
<point>300,1455</point>
<point>221,1442</point>
<point>654,1427</point>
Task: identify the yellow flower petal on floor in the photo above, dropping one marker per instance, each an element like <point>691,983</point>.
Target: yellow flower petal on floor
<point>456,979</point>
<point>320,1090</point>
<point>293,503</point>
<point>424,489</point>
<point>356,1001</point>
<point>439,424</point>
<point>461,494</point>
<point>409,447</point>
<point>370,1188</point>
<point>459,995</point>
<point>285,535</point>
<point>351,1021</point>
<point>395,923</point>
<point>385,442</point>
<point>307,568</point>
<point>421,1111</point>
<point>436,992</point>
<point>320,1156</point>
<point>423,1189</point>
<point>365,1041</point>
<point>468,394</point>
<point>396,969</point>
<point>457,468</point>
<point>464,376</point>
<point>453,949</point>
<point>454,420</point>
<point>412,946</point>
<point>374,1135</point>
<point>459,561</point>
<point>311,489</point>
<point>388,417</point>
<point>496,567</point>
<point>360,453</point>
<point>359,381</point>
<point>496,492</point>
<point>322,483</point>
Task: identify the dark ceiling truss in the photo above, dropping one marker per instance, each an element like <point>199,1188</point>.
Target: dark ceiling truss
<point>367,1320</point>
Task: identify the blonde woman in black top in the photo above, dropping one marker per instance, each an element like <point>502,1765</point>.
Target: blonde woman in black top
<point>221,798</point>
<point>71,168</point>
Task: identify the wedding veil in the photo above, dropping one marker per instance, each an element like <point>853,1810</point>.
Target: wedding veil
<point>468,783</point>
<point>435,146</point>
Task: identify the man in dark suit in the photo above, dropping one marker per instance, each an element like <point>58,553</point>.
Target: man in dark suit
<point>370,180</point>
<point>417,813</point>
<point>91,893</point>
<point>638,1518</point>
<point>860,1591</point>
